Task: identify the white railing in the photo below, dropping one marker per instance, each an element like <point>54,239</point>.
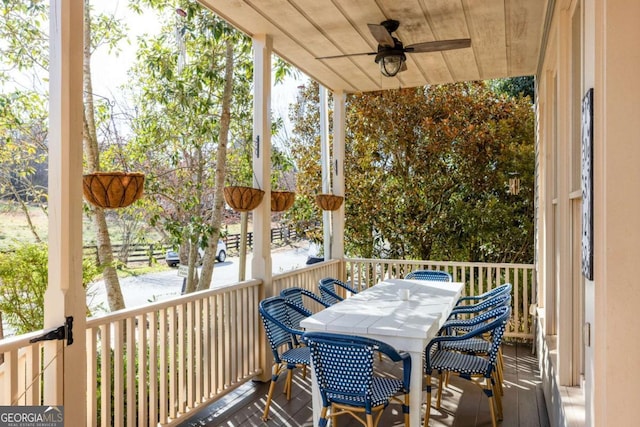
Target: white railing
<point>20,371</point>
<point>307,277</point>
<point>478,277</point>
<point>167,358</point>
<point>171,357</point>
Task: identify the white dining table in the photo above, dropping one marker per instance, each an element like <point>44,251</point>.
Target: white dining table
<point>384,312</point>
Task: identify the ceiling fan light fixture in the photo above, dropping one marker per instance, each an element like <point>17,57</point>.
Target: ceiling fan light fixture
<point>390,62</point>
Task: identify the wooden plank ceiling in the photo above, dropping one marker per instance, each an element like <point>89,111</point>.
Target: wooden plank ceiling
<point>506,37</point>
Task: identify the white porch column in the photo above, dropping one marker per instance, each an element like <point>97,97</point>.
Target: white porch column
<point>337,217</point>
<point>65,378</point>
<point>326,168</point>
<point>261,262</point>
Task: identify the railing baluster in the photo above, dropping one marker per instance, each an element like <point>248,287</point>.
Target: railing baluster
<point>105,384</point>
<point>130,339</point>
<point>142,339</point>
<point>181,360</point>
<point>92,374</point>
<point>172,356</point>
<point>163,368</point>
<point>153,367</point>
<point>189,357</point>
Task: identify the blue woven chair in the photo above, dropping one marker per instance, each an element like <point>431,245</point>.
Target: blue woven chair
<point>478,345</point>
<point>440,276</point>
<point>475,299</point>
<point>479,369</point>
<point>328,290</point>
<point>497,300</point>
<point>343,365</point>
<point>298,296</point>
<point>302,297</point>
<point>275,313</point>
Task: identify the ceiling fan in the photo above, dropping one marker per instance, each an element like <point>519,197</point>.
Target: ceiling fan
<point>391,52</point>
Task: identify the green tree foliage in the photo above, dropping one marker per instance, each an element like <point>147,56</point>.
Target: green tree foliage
<point>23,279</point>
<point>180,79</point>
<point>516,86</point>
<point>23,114</point>
<point>181,122</point>
<point>23,108</point>
<point>427,172</point>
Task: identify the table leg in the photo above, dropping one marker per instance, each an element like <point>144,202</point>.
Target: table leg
<point>415,396</point>
<point>316,401</point>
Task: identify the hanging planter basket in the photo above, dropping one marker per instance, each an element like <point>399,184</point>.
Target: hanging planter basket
<point>111,190</point>
<point>282,200</point>
<point>243,199</point>
<point>329,202</point>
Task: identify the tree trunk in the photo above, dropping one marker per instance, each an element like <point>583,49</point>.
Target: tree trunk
<point>192,276</point>
<point>25,211</point>
<point>92,156</point>
<point>221,164</point>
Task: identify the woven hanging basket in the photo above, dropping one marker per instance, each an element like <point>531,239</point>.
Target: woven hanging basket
<point>243,199</point>
<point>282,200</point>
<point>111,190</point>
<point>329,202</point>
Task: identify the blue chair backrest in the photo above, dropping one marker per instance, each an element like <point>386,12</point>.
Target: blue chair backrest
<point>343,365</point>
<point>278,317</point>
<point>486,305</point>
<point>493,321</point>
<point>328,291</point>
<point>496,328</point>
<point>296,294</point>
<point>440,276</point>
<point>502,289</point>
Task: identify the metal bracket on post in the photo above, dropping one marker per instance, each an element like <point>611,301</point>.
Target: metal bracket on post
<point>60,333</point>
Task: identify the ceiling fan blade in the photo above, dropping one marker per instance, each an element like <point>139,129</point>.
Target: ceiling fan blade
<point>381,34</point>
<point>438,45</point>
<point>345,55</point>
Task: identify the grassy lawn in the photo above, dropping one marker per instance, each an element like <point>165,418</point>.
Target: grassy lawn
<point>14,227</point>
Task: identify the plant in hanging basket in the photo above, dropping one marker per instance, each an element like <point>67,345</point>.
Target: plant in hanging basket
<point>282,200</point>
<point>112,190</point>
<point>329,202</point>
<point>243,199</point>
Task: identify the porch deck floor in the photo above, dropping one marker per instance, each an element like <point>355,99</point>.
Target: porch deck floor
<point>463,404</point>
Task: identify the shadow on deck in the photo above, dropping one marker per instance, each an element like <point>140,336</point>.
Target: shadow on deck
<point>463,404</point>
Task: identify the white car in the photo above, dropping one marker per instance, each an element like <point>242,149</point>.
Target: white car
<point>173,259</point>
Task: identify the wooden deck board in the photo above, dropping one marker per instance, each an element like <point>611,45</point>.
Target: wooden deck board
<point>463,404</point>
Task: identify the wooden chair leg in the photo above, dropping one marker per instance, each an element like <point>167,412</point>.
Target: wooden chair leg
<point>440,385</point>
<point>427,411</point>
<point>500,380</point>
<point>498,398</point>
<point>289,383</point>
<point>500,369</point>
<point>265,415</point>
<point>369,420</point>
<point>323,417</point>
<point>492,404</point>
<point>405,409</point>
